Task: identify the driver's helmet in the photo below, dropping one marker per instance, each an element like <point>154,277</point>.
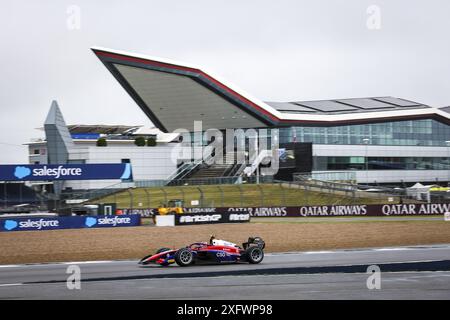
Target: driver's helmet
<point>211,239</point>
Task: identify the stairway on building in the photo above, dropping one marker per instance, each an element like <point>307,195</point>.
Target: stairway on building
<point>212,171</point>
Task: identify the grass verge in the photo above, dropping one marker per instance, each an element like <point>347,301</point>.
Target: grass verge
<point>233,196</point>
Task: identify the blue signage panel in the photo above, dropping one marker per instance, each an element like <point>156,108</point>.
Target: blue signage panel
<point>78,222</point>
<point>24,172</point>
<point>90,136</point>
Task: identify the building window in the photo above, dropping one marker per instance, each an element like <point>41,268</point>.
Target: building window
<point>78,161</point>
<point>426,132</point>
<point>131,177</point>
<point>381,163</point>
<point>36,151</point>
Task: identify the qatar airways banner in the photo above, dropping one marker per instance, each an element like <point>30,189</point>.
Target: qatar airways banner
<point>96,171</point>
<point>376,210</point>
<point>362,210</point>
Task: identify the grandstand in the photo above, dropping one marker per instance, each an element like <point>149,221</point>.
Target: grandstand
<point>382,140</point>
<point>377,141</point>
<point>18,195</point>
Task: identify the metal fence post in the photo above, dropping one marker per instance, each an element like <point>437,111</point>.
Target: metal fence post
<point>262,194</point>
<point>283,195</point>
<point>131,198</point>
<point>221,195</point>
<point>201,196</point>
<point>306,195</point>
<point>20,192</point>
<point>5,194</point>
<point>182,193</point>
<point>165,195</point>
<point>241,195</point>
<point>148,197</point>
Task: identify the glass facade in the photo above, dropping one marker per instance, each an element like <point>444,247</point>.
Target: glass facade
<point>381,163</point>
<point>426,132</point>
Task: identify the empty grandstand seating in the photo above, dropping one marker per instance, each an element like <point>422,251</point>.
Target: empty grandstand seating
<point>12,194</point>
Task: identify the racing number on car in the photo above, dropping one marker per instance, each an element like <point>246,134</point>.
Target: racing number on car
<point>220,254</point>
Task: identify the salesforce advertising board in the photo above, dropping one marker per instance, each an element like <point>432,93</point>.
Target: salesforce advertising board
<point>54,223</point>
<point>96,171</point>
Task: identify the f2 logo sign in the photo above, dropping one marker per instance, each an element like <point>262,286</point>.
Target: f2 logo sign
<point>74,280</point>
<point>374,280</point>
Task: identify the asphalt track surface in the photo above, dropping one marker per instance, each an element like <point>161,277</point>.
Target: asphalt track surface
<point>419,272</point>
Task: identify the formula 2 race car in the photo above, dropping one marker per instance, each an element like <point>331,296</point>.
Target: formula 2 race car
<point>216,251</point>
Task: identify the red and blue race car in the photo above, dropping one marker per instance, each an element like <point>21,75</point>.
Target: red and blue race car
<point>216,251</point>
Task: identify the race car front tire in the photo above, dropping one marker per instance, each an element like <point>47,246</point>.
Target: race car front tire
<point>184,257</point>
<point>254,255</point>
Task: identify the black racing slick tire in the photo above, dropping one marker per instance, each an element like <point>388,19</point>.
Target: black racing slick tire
<point>184,257</point>
<point>254,255</point>
<point>162,250</point>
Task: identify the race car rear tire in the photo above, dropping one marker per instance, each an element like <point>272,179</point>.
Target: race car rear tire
<point>162,250</point>
<point>184,257</point>
<point>254,255</point>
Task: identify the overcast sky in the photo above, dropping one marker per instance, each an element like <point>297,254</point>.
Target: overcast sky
<point>275,50</point>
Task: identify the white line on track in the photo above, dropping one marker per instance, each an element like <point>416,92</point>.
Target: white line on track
<point>11,284</point>
<point>88,262</point>
<point>392,249</point>
<point>11,266</point>
<point>58,263</point>
<point>318,252</point>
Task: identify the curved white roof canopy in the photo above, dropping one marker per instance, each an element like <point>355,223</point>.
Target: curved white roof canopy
<point>174,95</point>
